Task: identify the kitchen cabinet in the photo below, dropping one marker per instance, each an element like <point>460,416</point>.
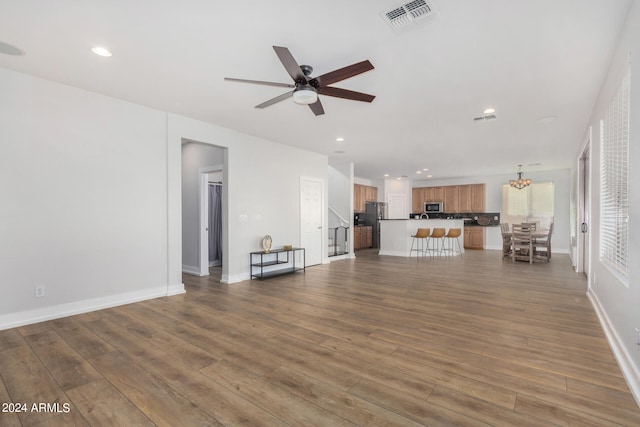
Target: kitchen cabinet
<point>464,198</point>
<point>357,238</point>
<point>478,199</point>
<point>433,194</point>
<point>362,237</point>
<point>363,194</point>
<point>451,200</point>
<point>456,198</point>
<point>418,199</point>
<point>474,237</point>
<point>371,194</point>
<point>359,196</point>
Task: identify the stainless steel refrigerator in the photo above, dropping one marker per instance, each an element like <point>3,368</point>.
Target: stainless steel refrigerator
<point>374,212</point>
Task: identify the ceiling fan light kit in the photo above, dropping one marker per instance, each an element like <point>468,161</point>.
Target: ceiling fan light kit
<point>306,88</point>
<point>305,95</point>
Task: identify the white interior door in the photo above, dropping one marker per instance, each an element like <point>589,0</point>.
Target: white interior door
<point>311,209</point>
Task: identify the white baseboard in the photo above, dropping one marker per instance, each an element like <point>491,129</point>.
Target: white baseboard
<point>190,269</point>
<point>393,253</point>
<point>629,370</point>
<point>226,279</point>
<point>339,257</point>
<point>176,289</point>
<point>13,320</point>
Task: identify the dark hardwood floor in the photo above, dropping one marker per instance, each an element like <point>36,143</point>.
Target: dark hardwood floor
<point>376,341</point>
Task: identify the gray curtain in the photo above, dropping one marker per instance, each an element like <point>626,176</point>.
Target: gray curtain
<point>215,222</point>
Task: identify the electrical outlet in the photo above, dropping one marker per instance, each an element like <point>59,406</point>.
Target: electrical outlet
<point>638,338</point>
<point>39,292</point>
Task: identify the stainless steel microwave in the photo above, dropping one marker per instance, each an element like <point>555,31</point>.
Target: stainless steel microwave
<point>433,207</point>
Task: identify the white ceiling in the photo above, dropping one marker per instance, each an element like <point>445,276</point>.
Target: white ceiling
<point>528,59</point>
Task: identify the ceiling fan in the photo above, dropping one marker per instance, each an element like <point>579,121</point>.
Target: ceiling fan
<point>306,88</point>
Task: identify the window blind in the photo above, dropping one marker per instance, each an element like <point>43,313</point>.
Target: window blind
<point>532,203</point>
<point>614,180</point>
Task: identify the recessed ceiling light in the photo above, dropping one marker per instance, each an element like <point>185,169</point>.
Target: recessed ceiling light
<point>489,110</point>
<point>418,171</point>
<point>429,176</point>
<point>425,169</point>
<point>101,51</point>
<point>339,139</point>
<point>386,174</point>
<point>547,119</point>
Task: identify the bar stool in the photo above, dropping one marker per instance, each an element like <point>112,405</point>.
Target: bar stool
<point>453,234</point>
<point>421,235</point>
<point>437,238</point>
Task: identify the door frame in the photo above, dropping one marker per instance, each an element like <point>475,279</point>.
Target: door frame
<point>203,236</point>
<point>583,246</point>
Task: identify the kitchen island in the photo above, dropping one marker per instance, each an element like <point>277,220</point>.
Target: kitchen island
<point>395,234</point>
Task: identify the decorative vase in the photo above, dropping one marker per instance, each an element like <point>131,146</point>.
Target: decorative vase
<point>266,243</point>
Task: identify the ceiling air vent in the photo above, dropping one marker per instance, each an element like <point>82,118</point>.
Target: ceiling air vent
<point>408,14</point>
<point>483,119</point>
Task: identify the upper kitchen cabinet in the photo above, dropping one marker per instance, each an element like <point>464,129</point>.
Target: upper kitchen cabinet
<point>478,198</point>
<point>418,199</point>
<point>451,199</point>
<point>471,198</point>
<point>464,198</point>
<point>363,194</point>
<point>433,194</point>
<point>456,198</point>
<point>371,194</point>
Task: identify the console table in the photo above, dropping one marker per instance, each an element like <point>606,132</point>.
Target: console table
<point>259,260</point>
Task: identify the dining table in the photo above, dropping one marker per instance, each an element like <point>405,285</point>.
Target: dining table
<point>538,236</point>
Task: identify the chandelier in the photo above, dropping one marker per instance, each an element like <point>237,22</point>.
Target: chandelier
<point>519,183</point>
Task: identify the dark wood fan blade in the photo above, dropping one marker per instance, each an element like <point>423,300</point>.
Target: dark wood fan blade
<point>275,100</point>
<point>317,108</point>
<point>346,94</point>
<point>259,82</point>
<point>290,64</point>
<point>341,74</point>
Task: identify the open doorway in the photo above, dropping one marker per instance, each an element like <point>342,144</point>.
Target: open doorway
<point>201,163</point>
<point>211,225</point>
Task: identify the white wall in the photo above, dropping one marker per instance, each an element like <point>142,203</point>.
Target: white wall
<point>194,157</point>
<point>561,239</point>
<point>83,208</point>
<point>618,303</point>
<point>341,193</point>
<point>105,226</point>
<point>263,191</point>
<point>395,188</point>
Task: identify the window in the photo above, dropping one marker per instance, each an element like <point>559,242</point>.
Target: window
<point>614,182</point>
<point>531,204</point>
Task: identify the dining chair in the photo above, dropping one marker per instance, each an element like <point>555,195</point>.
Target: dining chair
<point>542,245</point>
<point>522,242</point>
<point>506,240</point>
